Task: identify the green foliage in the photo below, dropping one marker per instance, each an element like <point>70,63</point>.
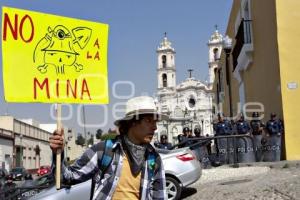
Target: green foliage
<point>108,136</point>
<point>70,162</point>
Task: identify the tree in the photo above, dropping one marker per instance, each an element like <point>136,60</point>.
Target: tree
<point>99,133</point>
<point>80,140</point>
<point>108,136</point>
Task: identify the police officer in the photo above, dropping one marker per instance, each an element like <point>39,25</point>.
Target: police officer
<point>184,137</point>
<point>245,150</point>
<point>196,148</point>
<point>223,127</point>
<point>274,129</point>
<point>257,127</point>
<point>197,132</point>
<point>242,126</point>
<point>164,144</point>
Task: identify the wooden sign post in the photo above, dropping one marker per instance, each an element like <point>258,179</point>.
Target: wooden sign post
<point>58,153</point>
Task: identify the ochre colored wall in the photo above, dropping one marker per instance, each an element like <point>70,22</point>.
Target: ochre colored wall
<point>288,17</point>
<point>262,79</point>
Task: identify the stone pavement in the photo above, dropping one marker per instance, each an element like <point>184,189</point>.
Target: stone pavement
<point>262,181</point>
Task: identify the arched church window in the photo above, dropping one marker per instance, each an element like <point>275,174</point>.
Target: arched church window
<point>164,80</point>
<point>215,51</point>
<point>192,102</point>
<point>164,61</point>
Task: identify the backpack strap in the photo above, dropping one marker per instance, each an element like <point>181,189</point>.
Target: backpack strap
<point>105,161</point>
<point>151,164</point>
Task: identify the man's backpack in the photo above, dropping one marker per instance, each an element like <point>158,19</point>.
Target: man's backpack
<point>105,162</point>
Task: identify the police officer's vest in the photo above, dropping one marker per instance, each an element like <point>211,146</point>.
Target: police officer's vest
<point>242,127</point>
<point>223,128</point>
<point>273,127</point>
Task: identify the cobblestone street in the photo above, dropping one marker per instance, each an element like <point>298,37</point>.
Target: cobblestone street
<point>263,181</point>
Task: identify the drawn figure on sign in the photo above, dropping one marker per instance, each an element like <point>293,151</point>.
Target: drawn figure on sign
<point>60,47</point>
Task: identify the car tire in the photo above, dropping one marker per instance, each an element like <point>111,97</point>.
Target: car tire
<point>173,188</point>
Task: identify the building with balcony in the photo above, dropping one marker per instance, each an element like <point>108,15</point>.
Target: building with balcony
<point>260,69</point>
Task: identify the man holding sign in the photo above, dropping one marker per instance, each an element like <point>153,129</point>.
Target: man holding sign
<point>127,166</point>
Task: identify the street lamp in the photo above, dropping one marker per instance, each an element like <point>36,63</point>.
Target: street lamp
<point>227,46</point>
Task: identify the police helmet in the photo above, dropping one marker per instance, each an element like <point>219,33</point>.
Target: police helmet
<point>273,115</point>
<point>220,115</point>
<point>242,116</point>
<point>163,137</point>
<point>186,130</point>
<point>197,131</point>
<point>255,114</point>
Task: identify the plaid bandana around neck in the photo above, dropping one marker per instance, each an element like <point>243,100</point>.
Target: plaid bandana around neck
<point>136,155</point>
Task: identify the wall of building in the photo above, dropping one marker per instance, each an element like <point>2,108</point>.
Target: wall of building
<point>27,136</point>
<point>73,151</point>
<point>30,159</point>
<point>288,17</point>
<point>262,79</point>
<point>6,122</point>
<point>6,153</point>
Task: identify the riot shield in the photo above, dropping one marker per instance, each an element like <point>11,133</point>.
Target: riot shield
<point>272,148</point>
<point>245,150</point>
<point>225,150</point>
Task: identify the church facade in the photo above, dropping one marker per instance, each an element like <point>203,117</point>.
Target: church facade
<point>189,103</point>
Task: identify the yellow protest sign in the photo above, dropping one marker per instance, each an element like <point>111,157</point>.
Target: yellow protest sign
<point>53,59</point>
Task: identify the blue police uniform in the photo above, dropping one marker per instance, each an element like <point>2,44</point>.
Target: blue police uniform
<point>164,145</point>
<point>242,127</point>
<point>245,149</point>
<point>223,128</point>
<point>274,127</point>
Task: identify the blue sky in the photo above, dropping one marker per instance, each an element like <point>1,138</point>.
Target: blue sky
<point>136,29</point>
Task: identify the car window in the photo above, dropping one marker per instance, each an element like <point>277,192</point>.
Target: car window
<point>19,170</point>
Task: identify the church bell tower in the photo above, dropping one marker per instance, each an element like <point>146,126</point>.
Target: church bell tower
<point>166,72</point>
<point>215,45</point>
